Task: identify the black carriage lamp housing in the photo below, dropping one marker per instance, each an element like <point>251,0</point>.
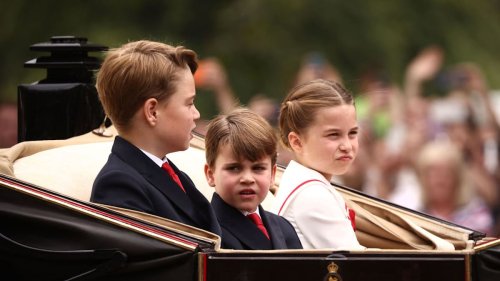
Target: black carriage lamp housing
<point>65,102</point>
<point>68,61</point>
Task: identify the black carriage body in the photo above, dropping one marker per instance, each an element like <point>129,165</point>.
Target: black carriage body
<point>321,265</point>
<point>47,236</point>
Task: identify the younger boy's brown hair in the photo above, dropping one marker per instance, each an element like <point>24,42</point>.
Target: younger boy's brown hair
<point>136,72</point>
<point>249,135</point>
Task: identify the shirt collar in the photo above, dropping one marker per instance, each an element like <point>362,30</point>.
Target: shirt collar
<point>155,159</point>
<point>245,213</point>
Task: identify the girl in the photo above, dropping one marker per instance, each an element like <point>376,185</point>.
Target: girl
<point>318,124</point>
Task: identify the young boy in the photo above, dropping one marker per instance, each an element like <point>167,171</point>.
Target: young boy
<point>147,90</point>
<point>241,165</point>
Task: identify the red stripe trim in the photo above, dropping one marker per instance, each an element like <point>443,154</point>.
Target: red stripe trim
<point>293,191</point>
<point>205,267</point>
<point>93,210</point>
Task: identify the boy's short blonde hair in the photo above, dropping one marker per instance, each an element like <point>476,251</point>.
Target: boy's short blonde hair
<point>249,135</point>
<point>299,108</point>
<point>136,72</point>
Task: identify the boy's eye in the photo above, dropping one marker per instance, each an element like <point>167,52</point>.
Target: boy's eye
<point>259,168</point>
<point>233,168</point>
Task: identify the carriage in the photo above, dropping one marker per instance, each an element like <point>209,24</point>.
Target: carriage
<point>50,230</point>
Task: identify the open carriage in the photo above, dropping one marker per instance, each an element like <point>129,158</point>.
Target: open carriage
<point>50,231</point>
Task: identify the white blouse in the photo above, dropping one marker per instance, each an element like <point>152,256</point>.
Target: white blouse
<point>315,209</point>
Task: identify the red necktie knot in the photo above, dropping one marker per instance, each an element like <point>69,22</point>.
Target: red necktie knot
<point>172,174</point>
<point>258,222</point>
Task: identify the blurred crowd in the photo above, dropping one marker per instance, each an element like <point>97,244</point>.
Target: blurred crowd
<point>8,124</point>
<point>430,144</point>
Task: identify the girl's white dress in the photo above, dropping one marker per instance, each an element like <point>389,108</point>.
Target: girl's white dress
<point>315,208</point>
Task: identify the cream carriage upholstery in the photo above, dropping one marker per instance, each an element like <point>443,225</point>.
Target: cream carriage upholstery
<point>70,166</point>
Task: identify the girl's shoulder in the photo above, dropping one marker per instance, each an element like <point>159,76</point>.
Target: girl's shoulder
<point>297,172</point>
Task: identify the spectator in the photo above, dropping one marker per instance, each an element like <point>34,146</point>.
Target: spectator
<point>316,66</point>
<point>447,187</point>
<point>8,124</point>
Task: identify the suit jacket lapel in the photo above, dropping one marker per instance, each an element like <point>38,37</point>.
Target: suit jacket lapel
<point>233,221</point>
<point>200,208</point>
<point>274,229</point>
<point>154,174</point>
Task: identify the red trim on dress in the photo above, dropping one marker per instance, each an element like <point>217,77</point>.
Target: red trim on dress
<point>293,191</point>
<point>351,214</point>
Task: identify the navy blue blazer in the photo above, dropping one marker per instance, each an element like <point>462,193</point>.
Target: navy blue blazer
<point>239,232</point>
<point>130,179</point>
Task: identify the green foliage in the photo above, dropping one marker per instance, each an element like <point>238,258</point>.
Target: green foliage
<point>262,43</point>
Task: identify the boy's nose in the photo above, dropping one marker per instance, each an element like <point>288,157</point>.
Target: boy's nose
<point>246,177</point>
<point>196,113</point>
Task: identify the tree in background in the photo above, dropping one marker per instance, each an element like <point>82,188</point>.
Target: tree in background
<point>262,43</point>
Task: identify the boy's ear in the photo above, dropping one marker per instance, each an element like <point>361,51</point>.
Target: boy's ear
<point>273,175</point>
<point>149,108</point>
<point>295,141</point>
<point>209,174</point>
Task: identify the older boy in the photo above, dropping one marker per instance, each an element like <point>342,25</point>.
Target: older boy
<point>147,90</point>
<point>241,165</point>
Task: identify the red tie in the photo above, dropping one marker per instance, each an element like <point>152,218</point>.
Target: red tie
<point>173,175</point>
<point>258,221</point>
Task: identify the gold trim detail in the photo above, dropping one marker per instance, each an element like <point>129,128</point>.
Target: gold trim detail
<point>332,272</point>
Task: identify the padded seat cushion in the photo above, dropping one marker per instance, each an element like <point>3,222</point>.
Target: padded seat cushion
<point>71,169</point>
